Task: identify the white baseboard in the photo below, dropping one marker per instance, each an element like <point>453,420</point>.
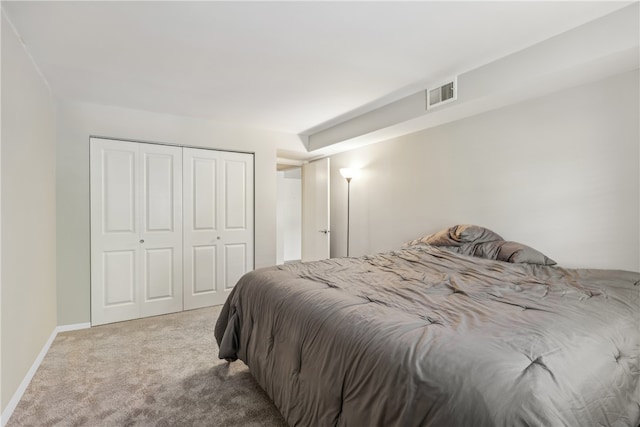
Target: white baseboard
<point>74,327</point>
<point>13,403</point>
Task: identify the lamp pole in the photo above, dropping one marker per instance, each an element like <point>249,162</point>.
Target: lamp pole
<point>348,174</point>
<point>348,210</point>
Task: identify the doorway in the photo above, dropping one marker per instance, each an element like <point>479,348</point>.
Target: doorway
<point>289,214</point>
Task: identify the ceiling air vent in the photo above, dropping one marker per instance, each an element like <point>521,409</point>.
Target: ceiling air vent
<point>442,94</point>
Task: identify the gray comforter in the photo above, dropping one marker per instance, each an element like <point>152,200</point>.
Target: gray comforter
<point>426,337</point>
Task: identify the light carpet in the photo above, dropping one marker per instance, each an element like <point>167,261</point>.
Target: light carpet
<point>157,371</point>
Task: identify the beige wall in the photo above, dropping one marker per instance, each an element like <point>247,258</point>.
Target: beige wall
<point>28,214</point>
<point>559,173</point>
<point>76,122</point>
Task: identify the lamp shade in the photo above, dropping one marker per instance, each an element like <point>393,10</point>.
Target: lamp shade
<point>349,173</point>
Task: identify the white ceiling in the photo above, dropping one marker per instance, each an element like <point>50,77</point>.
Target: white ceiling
<point>285,66</point>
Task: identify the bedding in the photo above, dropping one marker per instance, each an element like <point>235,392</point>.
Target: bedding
<point>458,235</point>
<point>481,242</point>
<point>424,336</point>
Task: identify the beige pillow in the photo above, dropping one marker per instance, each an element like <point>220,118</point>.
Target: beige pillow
<point>518,253</point>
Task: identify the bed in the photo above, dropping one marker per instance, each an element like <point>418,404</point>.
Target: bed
<point>459,328</point>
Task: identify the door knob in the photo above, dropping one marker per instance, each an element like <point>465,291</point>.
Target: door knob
<point>324,231</point>
<point>141,240</point>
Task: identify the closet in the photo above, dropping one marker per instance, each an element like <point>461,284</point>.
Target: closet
<point>171,227</point>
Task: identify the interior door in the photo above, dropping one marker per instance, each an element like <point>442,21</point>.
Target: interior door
<point>136,230</point>
<point>218,224</point>
<point>315,210</point>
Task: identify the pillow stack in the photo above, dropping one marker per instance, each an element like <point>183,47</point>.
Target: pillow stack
<point>483,243</point>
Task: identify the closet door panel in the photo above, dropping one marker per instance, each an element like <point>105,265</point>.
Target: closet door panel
<point>218,226</point>
<point>161,224</point>
<point>136,230</point>
<point>201,228</point>
<point>115,254</point>
<point>237,236</point>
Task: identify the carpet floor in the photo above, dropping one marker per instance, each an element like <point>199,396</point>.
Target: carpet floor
<point>157,371</point>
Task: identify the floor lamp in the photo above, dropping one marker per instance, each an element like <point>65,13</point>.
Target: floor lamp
<point>348,174</point>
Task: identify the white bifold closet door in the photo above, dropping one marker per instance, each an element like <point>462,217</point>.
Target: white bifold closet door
<point>136,230</point>
<point>218,224</point>
<point>171,228</point>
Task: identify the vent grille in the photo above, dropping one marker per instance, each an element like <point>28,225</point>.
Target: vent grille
<point>442,94</point>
